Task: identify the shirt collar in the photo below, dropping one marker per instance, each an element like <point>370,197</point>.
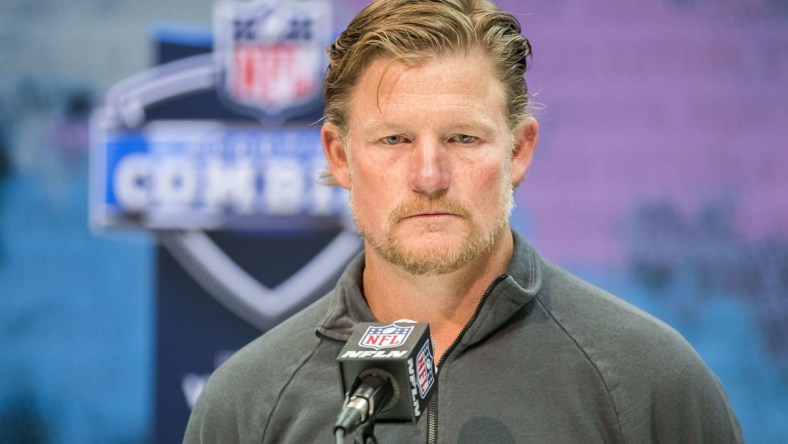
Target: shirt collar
<point>522,281</point>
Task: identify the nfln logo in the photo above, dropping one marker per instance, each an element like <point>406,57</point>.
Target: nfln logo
<point>385,337</point>
<point>425,372</point>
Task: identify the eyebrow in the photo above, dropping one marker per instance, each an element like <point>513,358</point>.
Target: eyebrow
<point>473,125</point>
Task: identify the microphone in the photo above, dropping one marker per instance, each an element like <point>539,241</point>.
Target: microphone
<point>387,373</point>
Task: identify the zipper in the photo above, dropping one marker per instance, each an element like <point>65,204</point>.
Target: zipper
<point>432,409</point>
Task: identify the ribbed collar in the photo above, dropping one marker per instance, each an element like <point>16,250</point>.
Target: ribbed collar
<point>521,283</point>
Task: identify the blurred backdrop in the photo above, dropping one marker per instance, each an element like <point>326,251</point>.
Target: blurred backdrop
<point>660,176</point>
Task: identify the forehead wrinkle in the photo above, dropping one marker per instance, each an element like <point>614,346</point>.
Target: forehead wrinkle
<point>460,115</point>
<point>383,81</point>
<point>468,111</point>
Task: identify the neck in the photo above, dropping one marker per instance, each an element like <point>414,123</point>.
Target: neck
<point>447,301</point>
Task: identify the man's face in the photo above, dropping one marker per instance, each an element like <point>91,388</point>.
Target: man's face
<point>429,164</point>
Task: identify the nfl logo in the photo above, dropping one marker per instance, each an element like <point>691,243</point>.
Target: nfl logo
<point>425,370</point>
<point>387,336</point>
<point>270,55</point>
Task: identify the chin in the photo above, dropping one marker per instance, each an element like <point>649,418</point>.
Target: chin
<point>433,242</point>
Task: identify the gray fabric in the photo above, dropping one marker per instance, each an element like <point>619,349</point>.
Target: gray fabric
<point>549,358</point>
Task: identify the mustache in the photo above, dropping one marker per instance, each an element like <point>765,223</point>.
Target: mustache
<point>423,204</point>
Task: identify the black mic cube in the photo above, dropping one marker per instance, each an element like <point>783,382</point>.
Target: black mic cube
<point>401,351</point>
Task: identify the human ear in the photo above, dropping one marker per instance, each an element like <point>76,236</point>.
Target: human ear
<point>525,137</point>
<point>336,154</point>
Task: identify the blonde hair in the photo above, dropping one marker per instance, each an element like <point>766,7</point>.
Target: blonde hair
<point>412,31</point>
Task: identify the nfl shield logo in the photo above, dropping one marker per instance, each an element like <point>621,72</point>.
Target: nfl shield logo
<point>270,56</point>
<point>387,336</point>
<point>425,370</point>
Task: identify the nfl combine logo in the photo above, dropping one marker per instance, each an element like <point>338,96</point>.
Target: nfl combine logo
<point>270,55</point>
<point>424,366</point>
<point>387,336</point>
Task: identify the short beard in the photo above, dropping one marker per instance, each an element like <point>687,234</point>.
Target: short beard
<point>438,259</point>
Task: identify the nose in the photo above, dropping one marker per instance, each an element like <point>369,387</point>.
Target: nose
<point>429,174</point>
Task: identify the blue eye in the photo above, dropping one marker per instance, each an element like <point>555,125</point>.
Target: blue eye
<point>392,140</point>
<point>464,138</point>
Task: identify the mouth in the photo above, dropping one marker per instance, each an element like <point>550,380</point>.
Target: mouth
<point>430,215</point>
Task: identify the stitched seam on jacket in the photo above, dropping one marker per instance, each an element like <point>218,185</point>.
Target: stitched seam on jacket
<point>591,361</point>
<point>285,385</point>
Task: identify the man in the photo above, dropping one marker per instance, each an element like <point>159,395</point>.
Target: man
<point>427,127</point>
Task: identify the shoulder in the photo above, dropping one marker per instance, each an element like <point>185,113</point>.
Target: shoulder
<point>598,320</point>
<point>243,392</point>
<point>658,383</point>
